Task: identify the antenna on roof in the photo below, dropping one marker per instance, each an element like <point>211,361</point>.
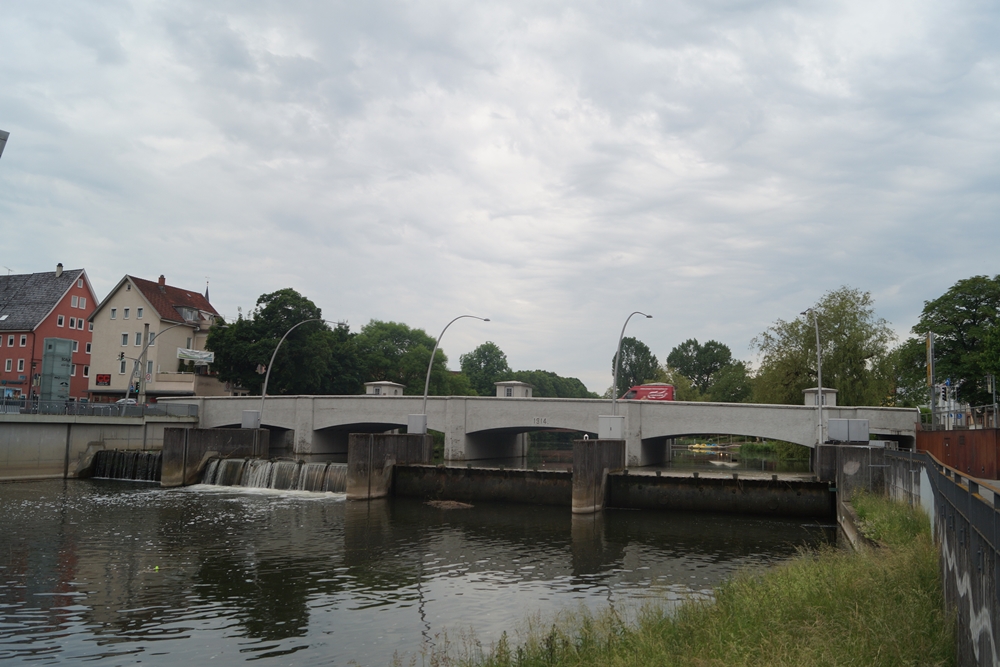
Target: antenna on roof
<point>206,288</point>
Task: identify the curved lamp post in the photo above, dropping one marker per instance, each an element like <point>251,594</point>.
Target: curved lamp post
<point>142,353</point>
<point>618,360</point>
<point>819,375</point>
<point>419,425</point>
<point>267,376</point>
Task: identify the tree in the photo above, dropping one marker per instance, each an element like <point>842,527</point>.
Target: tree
<point>700,363</point>
<point>857,357</point>
<point>314,359</point>
<point>963,320</point>
<point>394,352</point>
<point>684,390</point>
<point>547,384</point>
<point>484,366</point>
<point>638,364</point>
<point>731,384</point>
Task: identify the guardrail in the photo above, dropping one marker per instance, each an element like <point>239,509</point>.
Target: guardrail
<point>80,408</point>
<point>965,514</point>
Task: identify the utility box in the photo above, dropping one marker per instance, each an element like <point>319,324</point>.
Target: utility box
<point>847,430</point>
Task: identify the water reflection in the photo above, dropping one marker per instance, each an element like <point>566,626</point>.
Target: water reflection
<point>124,573</point>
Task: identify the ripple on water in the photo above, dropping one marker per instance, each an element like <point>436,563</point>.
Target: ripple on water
<point>119,573</point>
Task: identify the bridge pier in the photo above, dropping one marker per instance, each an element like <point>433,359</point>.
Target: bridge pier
<point>592,461</point>
<point>371,457</point>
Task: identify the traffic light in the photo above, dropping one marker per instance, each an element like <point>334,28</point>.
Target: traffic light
<point>121,356</point>
<point>944,394</point>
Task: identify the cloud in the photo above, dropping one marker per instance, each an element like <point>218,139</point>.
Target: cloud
<point>553,166</point>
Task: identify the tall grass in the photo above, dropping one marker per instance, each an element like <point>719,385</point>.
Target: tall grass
<point>786,451</point>
<point>829,607</point>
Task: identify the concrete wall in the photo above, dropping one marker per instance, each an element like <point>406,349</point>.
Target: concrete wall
<point>543,487</point>
<point>186,451</point>
<point>372,457</point>
<point>731,496</point>
<point>60,446</point>
<point>592,461</point>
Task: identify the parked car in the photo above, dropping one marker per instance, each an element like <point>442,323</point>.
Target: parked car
<point>126,401</point>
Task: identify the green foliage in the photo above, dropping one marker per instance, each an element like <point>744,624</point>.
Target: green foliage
<point>732,384</point>
<point>857,358</point>
<point>638,364</point>
<point>483,366</point>
<point>394,352</point>
<point>700,363</point>
<point>964,321</point>
<point>783,451</point>
<point>314,359</point>
<point>825,608</point>
<point>683,389</point>
<point>549,385</point>
<point>888,522</point>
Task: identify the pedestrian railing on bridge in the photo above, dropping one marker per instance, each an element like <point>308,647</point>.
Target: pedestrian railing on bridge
<point>27,406</point>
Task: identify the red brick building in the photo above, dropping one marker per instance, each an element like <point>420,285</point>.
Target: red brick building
<point>36,306</point>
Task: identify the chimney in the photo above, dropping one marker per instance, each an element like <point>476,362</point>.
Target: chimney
<point>162,282</point>
<point>58,269</point>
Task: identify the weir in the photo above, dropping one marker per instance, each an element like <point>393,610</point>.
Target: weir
<point>280,474</point>
<point>127,465</point>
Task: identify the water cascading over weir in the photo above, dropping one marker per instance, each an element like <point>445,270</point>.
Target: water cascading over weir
<point>279,475</point>
<point>127,465</point>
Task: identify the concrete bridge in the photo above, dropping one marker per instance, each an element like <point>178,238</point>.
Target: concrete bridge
<point>477,428</point>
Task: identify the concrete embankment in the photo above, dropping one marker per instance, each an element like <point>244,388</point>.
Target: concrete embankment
<point>793,495</point>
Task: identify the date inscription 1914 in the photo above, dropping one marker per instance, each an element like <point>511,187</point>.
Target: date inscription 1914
<point>539,421</point>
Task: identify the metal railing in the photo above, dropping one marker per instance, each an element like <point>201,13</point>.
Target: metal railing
<point>27,406</point>
<point>963,418</point>
<point>965,513</point>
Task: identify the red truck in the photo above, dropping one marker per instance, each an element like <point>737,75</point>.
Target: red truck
<point>654,391</point>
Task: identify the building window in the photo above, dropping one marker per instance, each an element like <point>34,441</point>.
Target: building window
<point>79,283</point>
<point>20,365</point>
<point>74,302</point>
<point>138,313</point>
<point>189,344</point>
<point>60,320</point>
<point>91,327</point>
<point>79,323</point>
<point>114,313</point>
<point>86,371</point>
<point>121,367</point>
<point>138,338</point>
<point>125,313</point>
<point>83,302</point>
<point>24,340</point>
<point>124,339</point>
<point>149,367</point>
<point>508,391</point>
<point>10,341</point>
<point>72,323</point>
<point>152,337</point>
<point>72,370</point>
<point>76,346</point>
<point>10,365</point>
<point>88,347</point>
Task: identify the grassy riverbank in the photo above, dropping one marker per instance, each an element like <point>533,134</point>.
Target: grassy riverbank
<point>830,607</point>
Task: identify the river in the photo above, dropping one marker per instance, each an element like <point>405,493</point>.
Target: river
<point>121,573</point>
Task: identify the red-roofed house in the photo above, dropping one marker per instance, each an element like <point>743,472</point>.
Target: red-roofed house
<point>36,306</point>
<point>136,312</point>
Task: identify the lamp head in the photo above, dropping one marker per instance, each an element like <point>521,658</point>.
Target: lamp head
<point>486,319</point>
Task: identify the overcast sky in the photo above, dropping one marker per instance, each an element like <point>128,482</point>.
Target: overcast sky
<point>552,166</point>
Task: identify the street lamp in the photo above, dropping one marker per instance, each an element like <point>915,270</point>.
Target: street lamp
<point>267,376</point>
<point>819,375</point>
<point>418,423</point>
<point>618,360</point>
